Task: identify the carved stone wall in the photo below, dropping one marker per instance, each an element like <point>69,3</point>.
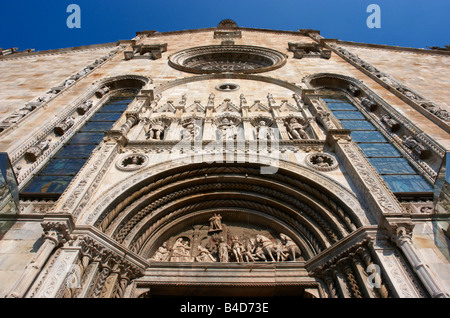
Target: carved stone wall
<point>227,166</point>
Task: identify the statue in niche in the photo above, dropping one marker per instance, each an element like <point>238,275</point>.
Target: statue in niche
<point>156,131</point>
<point>223,250</point>
<point>162,254</point>
<point>297,130</point>
<point>191,131</point>
<point>181,251</point>
<point>236,247</point>
<point>204,255</point>
<point>323,117</point>
<point>264,132</point>
<point>227,130</point>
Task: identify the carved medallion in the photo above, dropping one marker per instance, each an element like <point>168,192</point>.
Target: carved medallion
<point>132,162</point>
<point>321,161</point>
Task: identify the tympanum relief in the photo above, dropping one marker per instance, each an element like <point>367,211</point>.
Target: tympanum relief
<point>227,243</point>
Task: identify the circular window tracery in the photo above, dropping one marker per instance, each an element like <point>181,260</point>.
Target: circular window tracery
<point>231,59</point>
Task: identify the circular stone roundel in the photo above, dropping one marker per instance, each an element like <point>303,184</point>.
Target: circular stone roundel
<point>227,58</point>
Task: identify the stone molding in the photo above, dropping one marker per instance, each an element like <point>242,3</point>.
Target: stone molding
<point>418,102</point>
<point>178,60</point>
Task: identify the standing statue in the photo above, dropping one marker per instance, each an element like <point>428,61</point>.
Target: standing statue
<point>297,130</point>
<point>323,117</point>
<point>264,132</point>
<point>236,247</point>
<point>223,251</point>
<point>228,130</point>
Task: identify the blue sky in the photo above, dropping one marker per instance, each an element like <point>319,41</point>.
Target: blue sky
<point>42,24</point>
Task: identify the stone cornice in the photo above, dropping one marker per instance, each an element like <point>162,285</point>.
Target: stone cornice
<point>59,51</point>
<point>394,48</point>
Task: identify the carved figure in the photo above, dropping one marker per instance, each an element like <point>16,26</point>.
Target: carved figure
<point>34,152</point>
<point>416,147</point>
<point>215,223</point>
<point>223,251</point>
<point>204,255</point>
<point>264,132</point>
<point>156,131</point>
<point>289,245</point>
<point>249,250</point>
<point>162,254</point>
<point>297,130</point>
<point>323,117</point>
<point>267,247</point>
<point>236,247</point>
<point>228,130</point>
<point>180,251</point>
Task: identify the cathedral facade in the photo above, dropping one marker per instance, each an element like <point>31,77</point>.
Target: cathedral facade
<point>225,161</point>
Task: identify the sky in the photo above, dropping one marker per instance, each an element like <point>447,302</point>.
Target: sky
<point>42,24</point>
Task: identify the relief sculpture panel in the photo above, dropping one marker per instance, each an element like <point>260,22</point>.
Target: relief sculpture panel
<point>227,243</point>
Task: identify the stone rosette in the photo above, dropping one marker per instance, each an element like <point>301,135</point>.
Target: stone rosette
<point>131,162</point>
<point>328,163</point>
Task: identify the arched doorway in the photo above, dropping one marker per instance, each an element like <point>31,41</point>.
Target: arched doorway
<point>173,209</point>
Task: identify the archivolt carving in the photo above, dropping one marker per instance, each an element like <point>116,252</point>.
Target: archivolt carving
<point>101,214</point>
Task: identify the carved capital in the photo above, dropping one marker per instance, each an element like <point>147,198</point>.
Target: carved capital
<point>56,231</point>
<point>402,232</point>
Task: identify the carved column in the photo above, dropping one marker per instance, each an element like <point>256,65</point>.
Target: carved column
<point>341,282</point>
<point>403,285</point>
<point>328,279</point>
<point>402,238</point>
<point>55,233</point>
<point>132,120</point>
<point>380,288</point>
